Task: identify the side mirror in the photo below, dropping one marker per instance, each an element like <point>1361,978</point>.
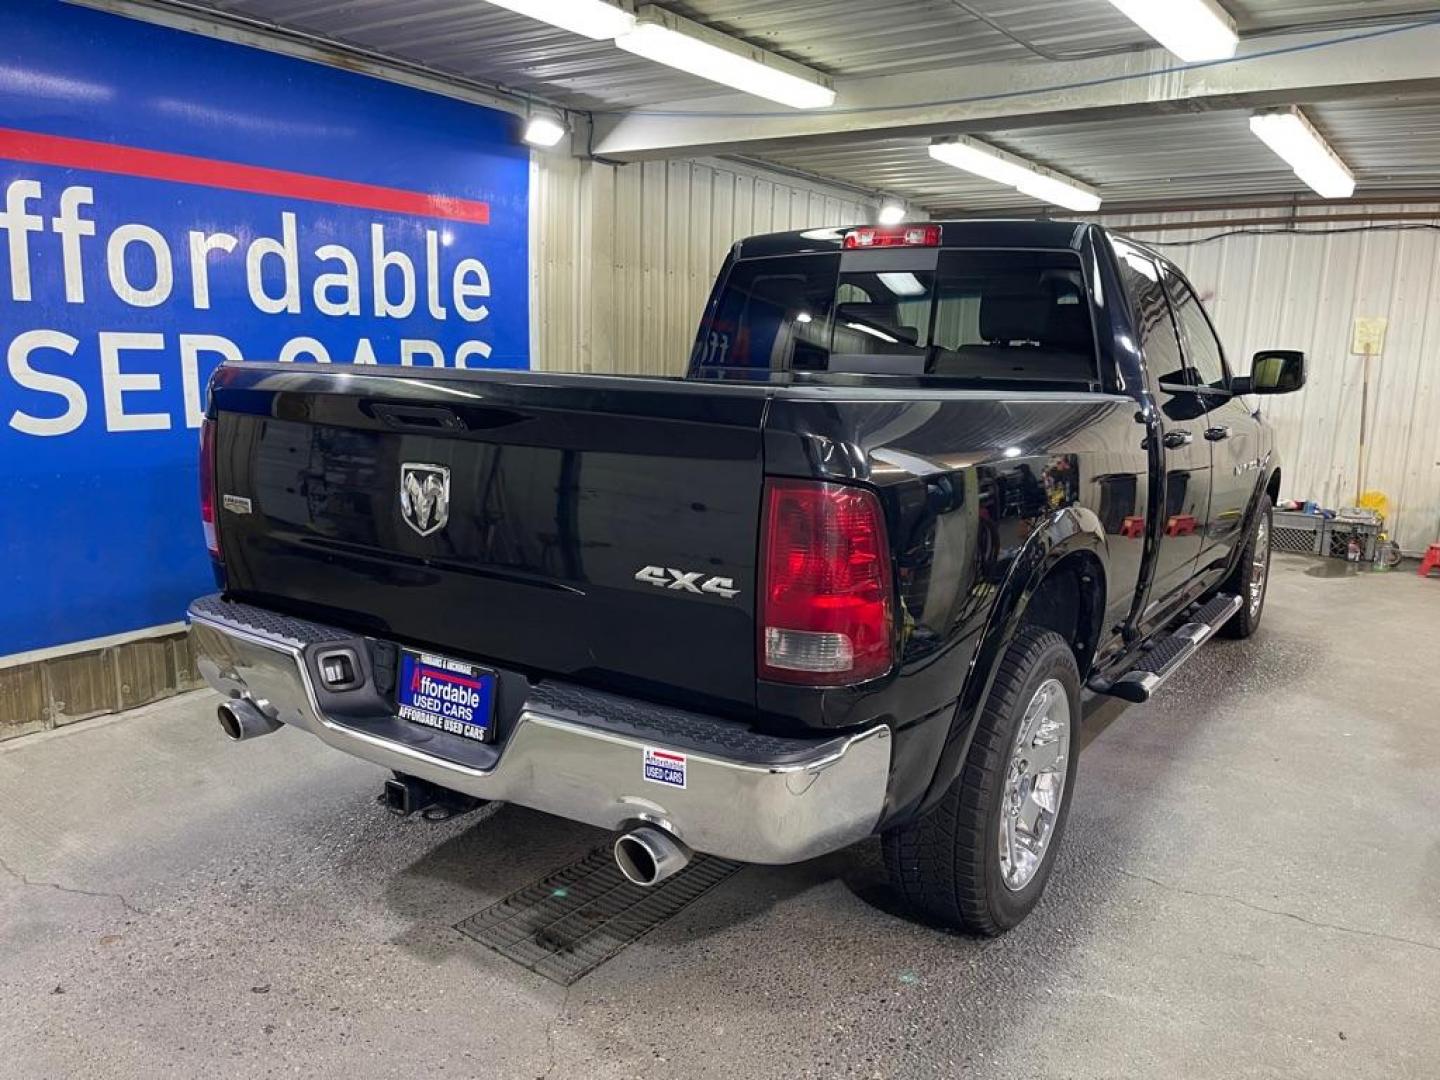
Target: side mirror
<point>1274,371</point>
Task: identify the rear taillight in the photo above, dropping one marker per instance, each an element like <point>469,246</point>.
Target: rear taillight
<point>207,485</point>
<point>826,608</point>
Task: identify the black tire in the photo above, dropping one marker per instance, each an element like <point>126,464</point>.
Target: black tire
<point>1241,580</point>
<point>946,865</point>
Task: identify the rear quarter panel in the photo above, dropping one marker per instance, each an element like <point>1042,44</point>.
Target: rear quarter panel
<point>983,492</point>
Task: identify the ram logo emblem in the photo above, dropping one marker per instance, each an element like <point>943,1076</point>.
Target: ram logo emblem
<point>664,577</point>
<point>425,496</point>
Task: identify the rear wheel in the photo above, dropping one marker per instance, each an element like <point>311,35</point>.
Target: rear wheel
<point>980,858</point>
<point>1251,576</point>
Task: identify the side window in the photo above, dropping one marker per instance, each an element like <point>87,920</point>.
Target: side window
<point>1202,347</point>
<point>1159,336</point>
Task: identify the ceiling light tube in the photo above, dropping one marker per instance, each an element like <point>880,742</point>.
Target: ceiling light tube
<point>1294,138</point>
<point>668,39</point>
<point>903,283</point>
<point>589,18</point>
<point>979,158</point>
<point>880,334</point>
<point>1194,30</point>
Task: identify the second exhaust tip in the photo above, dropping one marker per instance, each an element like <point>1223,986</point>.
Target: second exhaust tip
<point>647,856</point>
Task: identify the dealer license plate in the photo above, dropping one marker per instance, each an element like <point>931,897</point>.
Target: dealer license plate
<point>445,694</point>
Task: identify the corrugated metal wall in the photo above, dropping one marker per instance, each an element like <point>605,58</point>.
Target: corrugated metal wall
<point>624,256</point>
<point>1305,292</point>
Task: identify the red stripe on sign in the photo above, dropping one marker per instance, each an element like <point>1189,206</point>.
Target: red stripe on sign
<point>207,172</point>
<point>450,676</point>
<point>667,757</point>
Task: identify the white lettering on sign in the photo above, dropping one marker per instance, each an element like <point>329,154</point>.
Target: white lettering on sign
<point>141,266</point>
<point>381,263</point>
<point>432,275</point>
<point>70,227</point>
<point>19,223</point>
<point>346,278</point>
<point>268,267</point>
<point>67,390</point>
<point>413,347</point>
<point>161,271</point>
<point>466,289</point>
<point>287,251</point>
<point>468,349</point>
<point>191,346</point>
<point>118,383</point>
<point>201,244</point>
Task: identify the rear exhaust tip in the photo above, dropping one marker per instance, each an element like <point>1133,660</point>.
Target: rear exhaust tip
<point>241,719</point>
<point>647,856</point>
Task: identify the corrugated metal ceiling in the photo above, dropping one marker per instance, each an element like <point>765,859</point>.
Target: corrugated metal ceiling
<point>1391,144</point>
<point>478,41</point>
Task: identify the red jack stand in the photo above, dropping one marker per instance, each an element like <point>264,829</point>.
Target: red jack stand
<point>1431,560</point>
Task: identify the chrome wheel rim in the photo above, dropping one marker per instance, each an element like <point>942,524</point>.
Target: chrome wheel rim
<point>1259,566</point>
<point>1034,784</point>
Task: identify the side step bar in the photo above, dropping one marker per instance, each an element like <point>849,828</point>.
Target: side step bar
<point>1169,654</point>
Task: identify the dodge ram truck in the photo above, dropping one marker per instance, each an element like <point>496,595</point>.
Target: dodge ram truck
<point>926,496</point>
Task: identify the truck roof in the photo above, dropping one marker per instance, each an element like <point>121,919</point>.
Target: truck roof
<point>972,232</point>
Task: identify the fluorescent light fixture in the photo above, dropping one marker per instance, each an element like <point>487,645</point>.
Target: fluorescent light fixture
<point>903,283</point>
<point>680,43</point>
<point>1291,135</point>
<point>589,18</point>
<point>1066,193</point>
<point>891,212</point>
<point>979,158</point>
<point>975,157</point>
<point>1194,30</point>
<point>544,131</point>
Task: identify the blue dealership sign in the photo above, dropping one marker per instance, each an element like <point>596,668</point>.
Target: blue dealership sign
<point>169,201</point>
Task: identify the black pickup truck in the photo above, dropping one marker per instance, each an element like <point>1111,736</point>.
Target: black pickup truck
<point>926,495</point>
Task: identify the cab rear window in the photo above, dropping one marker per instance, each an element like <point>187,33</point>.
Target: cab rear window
<point>947,315</point>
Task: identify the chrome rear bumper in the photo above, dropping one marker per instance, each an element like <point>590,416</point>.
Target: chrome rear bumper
<point>804,803</point>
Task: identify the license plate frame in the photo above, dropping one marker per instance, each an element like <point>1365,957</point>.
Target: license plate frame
<point>445,694</point>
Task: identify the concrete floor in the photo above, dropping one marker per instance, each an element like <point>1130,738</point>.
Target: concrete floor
<point>1250,886</point>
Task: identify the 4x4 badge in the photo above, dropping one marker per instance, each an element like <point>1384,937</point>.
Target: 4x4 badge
<point>687,581</point>
<point>424,496</point>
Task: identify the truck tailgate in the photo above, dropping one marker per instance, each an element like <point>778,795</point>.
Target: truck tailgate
<point>562,491</point>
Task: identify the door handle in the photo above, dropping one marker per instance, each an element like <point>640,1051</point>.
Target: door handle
<point>1215,434</point>
<point>418,417</point>
<point>1175,439</point>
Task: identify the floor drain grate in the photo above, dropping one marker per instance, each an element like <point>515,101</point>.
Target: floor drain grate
<point>570,923</point>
